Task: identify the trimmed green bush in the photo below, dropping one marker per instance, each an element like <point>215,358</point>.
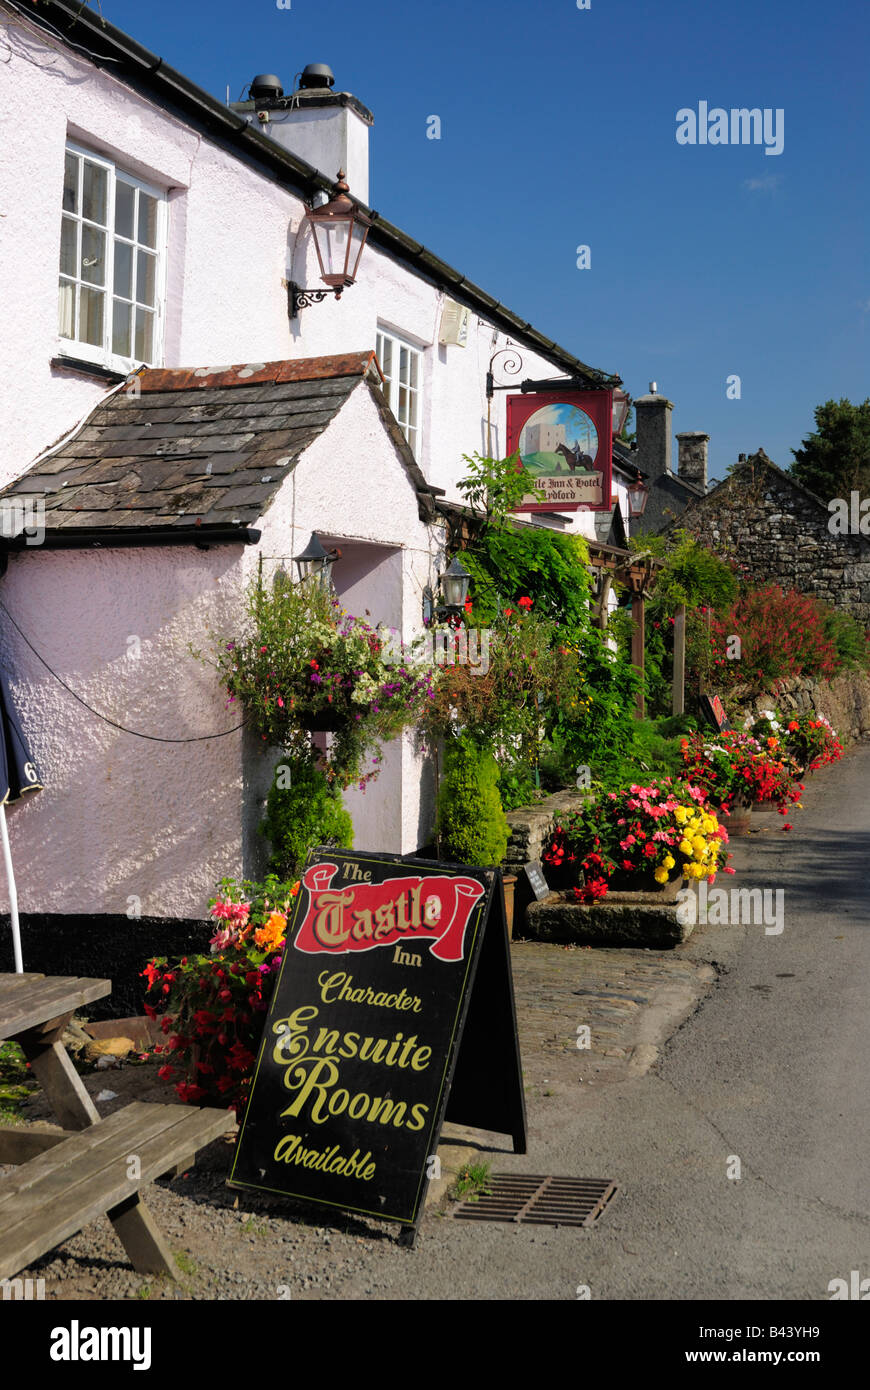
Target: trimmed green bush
<point>471,822</point>
<point>308,812</point>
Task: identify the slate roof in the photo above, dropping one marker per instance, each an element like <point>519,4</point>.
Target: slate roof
<point>199,451</point>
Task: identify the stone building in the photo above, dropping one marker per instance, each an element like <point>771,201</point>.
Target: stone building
<point>776,531</point>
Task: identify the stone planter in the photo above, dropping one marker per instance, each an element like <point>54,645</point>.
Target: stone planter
<point>635,919</point>
<point>740,820</point>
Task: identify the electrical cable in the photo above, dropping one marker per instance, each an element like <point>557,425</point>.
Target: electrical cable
<point>152,738</point>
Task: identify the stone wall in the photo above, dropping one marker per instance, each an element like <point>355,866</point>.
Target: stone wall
<point>777,532</point>
<point>845,701</point>
<point>531,827</point>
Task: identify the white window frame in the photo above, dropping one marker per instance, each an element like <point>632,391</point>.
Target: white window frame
<point>102,354</point>
<point>413,431</point>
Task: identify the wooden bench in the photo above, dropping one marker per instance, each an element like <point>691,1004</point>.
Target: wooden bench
<point>72,1175</point>
<point>100,1170</point>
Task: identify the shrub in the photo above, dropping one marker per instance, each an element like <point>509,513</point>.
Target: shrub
<point>471,820</point>
<point>305,813</point>
<point>781,635</point>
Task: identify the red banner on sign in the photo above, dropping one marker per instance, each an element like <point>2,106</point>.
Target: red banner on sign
<point>564,440</point>
<point>361,916</point>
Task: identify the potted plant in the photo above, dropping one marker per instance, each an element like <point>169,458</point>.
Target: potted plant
<point>736,770</point>
<point>642,839</point>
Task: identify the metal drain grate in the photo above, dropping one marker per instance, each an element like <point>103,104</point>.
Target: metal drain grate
<point>537,1201</point>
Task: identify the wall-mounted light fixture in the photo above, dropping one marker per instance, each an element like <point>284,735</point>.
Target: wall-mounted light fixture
<point>315,563</point>
<point>340,230</point>
<point>638,496</point>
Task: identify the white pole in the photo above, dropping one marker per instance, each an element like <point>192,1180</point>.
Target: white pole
<point>13,892</point>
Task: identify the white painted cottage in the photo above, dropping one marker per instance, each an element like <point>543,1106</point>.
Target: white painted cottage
<point>146,225</point>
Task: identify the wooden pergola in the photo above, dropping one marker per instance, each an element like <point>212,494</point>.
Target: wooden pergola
<point>637,573</point>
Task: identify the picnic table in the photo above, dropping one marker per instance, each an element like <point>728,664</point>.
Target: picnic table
<point>65,1178</point>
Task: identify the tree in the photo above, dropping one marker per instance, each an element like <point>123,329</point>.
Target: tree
<point>835,459</point>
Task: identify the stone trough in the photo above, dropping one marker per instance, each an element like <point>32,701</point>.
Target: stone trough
<point>619,919</point>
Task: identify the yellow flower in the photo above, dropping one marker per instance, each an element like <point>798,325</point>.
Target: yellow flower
<point>685,848</point>
<point>681,815</point>
<point>708,825</point>
<point>699,844</point>
<point>661,875</point>
<point>669,861</point>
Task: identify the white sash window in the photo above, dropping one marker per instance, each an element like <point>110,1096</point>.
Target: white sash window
<point>402,366</point>
<point>112,264</point>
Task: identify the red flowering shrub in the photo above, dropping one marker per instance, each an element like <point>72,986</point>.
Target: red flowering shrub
<point>213,1007</point>
<point>812,741</point>
<point>781,635</point>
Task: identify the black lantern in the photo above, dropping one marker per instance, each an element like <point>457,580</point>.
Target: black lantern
<point>454,587</point>
<point>315,563</point>
<point>340,230</point>
<point>638,496</point>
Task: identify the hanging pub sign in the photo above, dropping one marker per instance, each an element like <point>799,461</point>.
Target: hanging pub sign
<point>393,1011</point>
<point>564,440</point>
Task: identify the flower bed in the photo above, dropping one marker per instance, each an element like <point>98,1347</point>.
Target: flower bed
<point>212,1007</point>
<point>736,769</point>
<point>639,838</point>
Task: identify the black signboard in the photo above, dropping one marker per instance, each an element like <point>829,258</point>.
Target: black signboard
<point>538,884</point>
<point>393,1011</point>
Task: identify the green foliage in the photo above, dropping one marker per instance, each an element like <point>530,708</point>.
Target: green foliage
<point>512,562</point>
<point>655,752</point>
<point>847,635</point>
<point>493,488</point>
<point>517,785</point>
<point>835,458</point>
<point>472,1182</point>
<point>690,574</point>
<point>308,812</point>
<point>471,820</point>
<point>593,725</point>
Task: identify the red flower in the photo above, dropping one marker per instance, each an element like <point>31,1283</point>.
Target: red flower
<point>151,974</point>
<point>525,603</point>
<point>166,1073</point>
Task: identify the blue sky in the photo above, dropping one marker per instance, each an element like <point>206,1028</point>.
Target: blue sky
<point>558,129</point>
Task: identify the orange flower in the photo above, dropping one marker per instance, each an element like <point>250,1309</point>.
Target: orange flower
<point>272,934</point>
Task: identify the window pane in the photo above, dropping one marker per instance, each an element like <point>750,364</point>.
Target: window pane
<point>123,283</point>
<point>147,220</point>
<point>403,364</point>
<point>414,364</point>
<point>121,323</point>
<point>68,254</point>
<point>91,314</point>
<point>412,409</point>
<point>94,193</point>
<point>125,197</point>
<point>144,335</point>
<point>402,412</point>
<point>93,255</point>
<point>66,310</point>
<point>146,278</point>
<point>70,183</point>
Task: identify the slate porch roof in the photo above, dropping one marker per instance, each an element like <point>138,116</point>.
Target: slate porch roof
<point>199,451</point>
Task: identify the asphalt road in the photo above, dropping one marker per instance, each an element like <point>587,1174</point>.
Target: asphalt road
<point>770,1070</point>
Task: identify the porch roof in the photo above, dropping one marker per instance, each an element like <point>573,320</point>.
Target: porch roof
<point>196,452</point>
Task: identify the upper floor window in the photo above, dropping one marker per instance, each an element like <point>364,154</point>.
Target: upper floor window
<point>112,251</point>
<point>402,366</point>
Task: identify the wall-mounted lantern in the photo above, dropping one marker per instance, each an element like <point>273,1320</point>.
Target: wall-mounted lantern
<point>454,584</point>
<point>638,496</point>
<point>315,563</point>
<point>340,230</point>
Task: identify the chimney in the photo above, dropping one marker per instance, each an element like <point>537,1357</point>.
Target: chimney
<point>327,129</point>
<point>692,457</point>
<point>653,428</point>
